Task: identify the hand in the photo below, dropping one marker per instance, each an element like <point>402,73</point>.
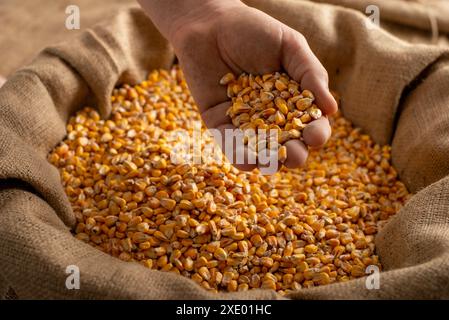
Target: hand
<point>217,37</point>
<point>2,81</point>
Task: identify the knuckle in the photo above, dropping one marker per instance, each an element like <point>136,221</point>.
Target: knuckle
<point>301,39</point>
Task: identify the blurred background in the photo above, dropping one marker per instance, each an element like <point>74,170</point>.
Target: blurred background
<point>28,26</point>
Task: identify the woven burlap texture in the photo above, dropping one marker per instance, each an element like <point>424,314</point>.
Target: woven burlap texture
<point>396,91</point>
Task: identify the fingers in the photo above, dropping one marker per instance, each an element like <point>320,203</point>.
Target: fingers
<point>303,66</point>
<point>315,135</point>
<point>316,81</point>
<point>317,132</point>
<point>296,154</point>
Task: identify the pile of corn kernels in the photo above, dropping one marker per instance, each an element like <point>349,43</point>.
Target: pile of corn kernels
<point>226,230</point>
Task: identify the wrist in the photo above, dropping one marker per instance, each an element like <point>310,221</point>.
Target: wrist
<point>172,17</point>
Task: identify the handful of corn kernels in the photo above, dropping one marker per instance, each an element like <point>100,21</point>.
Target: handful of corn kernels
<point>271,101</point>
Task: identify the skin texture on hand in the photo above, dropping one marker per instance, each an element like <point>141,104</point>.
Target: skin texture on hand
<point>2,81</point>
<point>214,37</point>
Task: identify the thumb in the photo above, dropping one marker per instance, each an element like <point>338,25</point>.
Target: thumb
<point>303,66</point>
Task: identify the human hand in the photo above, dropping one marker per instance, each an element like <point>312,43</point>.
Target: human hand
<point>213,38</point>
<point>2,81</point>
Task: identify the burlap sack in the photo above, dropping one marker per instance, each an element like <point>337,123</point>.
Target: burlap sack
<point>395,90</point>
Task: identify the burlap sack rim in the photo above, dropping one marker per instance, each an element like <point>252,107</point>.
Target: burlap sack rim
<point>316,289</point>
